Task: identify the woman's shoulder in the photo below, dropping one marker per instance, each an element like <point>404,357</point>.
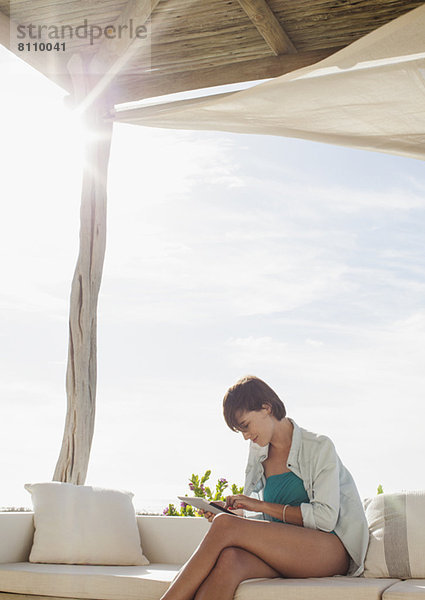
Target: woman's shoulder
<point>314,440</point>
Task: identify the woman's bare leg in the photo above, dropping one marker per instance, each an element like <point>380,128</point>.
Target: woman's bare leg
<point>290,550</point>
<point>233,566</point>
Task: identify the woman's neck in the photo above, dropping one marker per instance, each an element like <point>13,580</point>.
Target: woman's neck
<point>282,435</point>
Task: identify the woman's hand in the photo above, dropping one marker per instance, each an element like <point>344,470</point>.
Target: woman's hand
<point>244,502</point>
<point>209,515</point>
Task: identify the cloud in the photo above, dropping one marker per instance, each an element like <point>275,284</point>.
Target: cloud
<point>352,201</point>
<point>222,260</point>
<point>389,357</point>
<point>213,238</point>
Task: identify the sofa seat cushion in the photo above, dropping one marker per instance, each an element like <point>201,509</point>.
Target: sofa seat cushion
<point>412,589</point>
<point>87,581</point>
<point>320,588</point>
<point>150,583</point>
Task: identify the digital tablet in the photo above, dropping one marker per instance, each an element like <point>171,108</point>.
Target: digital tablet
<point>205,505</point>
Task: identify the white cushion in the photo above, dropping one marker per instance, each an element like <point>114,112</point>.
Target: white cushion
<point>151,582</point>
<point>87,581</point>
<point>321,588</point>
<point>396,535</point>
<point>171,540</point>
<point>413,589</point>
<point>77,524</point>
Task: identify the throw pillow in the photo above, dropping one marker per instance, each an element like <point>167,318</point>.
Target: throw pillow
<point>76,524</point>
<point>396,535</point>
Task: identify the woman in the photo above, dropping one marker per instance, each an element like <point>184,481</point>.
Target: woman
<point>311,521</point>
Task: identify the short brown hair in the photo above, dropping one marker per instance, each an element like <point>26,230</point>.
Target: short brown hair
<point>250,393</point>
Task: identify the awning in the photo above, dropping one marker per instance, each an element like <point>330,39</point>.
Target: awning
<point>370,95</point>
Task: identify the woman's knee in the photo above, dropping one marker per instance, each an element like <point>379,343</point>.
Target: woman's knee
<point>231,562</point>
<point>221,524</point>
<point>222,520</point>
<point>225,577</point>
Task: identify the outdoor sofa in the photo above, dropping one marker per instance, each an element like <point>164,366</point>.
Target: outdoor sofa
<point>167,542</point>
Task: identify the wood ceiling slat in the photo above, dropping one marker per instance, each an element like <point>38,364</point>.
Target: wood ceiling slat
<point>314,22</point>
<point>33,6</point>
<point>51,17</point>
<point>206,38</point>
<point>218,16</point>
<point>187,36</point>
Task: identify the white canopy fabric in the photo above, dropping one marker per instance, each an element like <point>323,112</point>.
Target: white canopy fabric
<point>370,95</point>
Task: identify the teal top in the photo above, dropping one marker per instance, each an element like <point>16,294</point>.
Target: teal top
<point>285,488</point>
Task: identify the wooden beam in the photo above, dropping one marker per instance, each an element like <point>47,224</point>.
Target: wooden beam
<point>268,26</point>
<point>129,89</point>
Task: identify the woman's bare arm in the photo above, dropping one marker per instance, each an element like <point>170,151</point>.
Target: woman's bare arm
<point>293,514</point>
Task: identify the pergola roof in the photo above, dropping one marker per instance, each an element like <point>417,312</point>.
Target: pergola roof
<point>193,44</point>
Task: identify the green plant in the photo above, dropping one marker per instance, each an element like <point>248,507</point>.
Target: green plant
<point>380,489</point>
<point>200,490</point>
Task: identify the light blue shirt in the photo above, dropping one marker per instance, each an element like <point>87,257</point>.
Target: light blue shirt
<point>335,504</point>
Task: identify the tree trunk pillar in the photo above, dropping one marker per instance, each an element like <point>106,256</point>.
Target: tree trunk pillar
<point>81,372</point>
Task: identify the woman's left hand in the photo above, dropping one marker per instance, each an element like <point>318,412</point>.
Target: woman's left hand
<point>242,501</point>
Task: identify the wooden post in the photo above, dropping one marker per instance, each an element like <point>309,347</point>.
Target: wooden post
<point>81,373</point>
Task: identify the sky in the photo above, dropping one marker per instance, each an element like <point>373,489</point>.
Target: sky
<point>227,254</point>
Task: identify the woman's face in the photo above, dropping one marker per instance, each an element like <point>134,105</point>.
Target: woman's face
<point>257,425</point>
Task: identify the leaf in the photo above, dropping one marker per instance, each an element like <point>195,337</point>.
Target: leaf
<point>206,476</point>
